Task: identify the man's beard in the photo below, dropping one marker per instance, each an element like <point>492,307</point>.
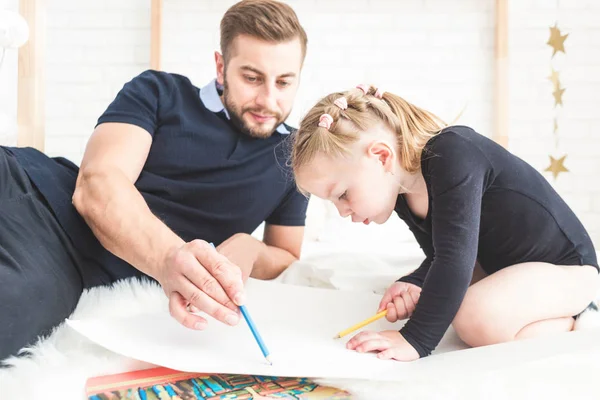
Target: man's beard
<point>235,114</point>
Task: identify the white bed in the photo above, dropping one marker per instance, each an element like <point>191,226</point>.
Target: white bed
<point>337,255</point>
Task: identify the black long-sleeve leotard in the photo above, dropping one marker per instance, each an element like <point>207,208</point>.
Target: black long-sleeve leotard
<point>486,205</point>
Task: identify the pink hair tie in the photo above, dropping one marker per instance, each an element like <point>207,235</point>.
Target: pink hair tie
<point>325,121</point>
<point>364,88</point>
<point>341,102</point>
<point>379,93</point>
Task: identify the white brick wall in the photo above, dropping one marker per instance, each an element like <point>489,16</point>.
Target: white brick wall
<point>8,87</point>
<point>532,105</point>
<point>93,49</point>
<point>436,53</point>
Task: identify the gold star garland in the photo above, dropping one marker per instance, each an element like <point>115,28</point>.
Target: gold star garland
<point>557,166</point>
<point>557,42</point>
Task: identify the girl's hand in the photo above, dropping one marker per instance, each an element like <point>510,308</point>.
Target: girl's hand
<point>400,301</point>
<point>389,344</point>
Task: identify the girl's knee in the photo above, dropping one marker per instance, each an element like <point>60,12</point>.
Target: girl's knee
<point>477,325</point>
<point>480,332</point>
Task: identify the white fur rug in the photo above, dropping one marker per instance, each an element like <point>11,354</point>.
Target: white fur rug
<point>59,365</point>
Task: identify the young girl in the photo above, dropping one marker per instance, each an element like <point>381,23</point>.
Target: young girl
<point>467,200</point>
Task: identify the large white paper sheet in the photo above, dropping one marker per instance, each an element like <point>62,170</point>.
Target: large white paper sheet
<point>298,324</point>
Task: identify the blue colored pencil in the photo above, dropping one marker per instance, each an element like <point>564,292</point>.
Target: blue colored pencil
<point>254,330</point>
<point>261,343</point>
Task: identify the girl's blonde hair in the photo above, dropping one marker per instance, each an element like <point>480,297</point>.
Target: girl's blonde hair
<point>413,126</point>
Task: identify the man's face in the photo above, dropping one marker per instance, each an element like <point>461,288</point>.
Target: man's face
<point>260,82</point>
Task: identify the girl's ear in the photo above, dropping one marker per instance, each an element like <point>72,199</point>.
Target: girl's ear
<point>383,153</point>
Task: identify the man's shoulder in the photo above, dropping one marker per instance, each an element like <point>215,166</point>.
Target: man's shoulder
<point>162,79</point>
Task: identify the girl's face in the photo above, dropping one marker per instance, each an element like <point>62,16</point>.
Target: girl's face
<point>363,185</point>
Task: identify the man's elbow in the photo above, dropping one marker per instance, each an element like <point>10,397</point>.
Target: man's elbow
<point>78,196</point>
<point>82,198</point>
<point>272,263</point>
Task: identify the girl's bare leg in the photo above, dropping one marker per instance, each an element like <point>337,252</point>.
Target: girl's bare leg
<point>525,300</point>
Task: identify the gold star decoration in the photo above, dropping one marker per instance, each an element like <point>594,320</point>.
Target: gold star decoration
<point>555,125</point>
<point>557,166</point>
<point>554,78</point>
<point>557,41</point>
<point>558,92</point>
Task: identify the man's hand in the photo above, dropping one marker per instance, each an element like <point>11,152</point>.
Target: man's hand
<point>400,301</point>
<point>388,344</point>
<point>242,250</point>
<point>196,275</point>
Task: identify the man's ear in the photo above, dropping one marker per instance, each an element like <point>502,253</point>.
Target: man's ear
<point>383,153</point>
<point>220,63</point>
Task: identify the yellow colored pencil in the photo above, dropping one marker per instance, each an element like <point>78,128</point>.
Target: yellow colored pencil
<point>367,321</point>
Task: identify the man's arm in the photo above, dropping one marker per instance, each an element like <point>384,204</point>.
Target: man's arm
<point>283,245</point>
<point>268,258</point>
<point>105,196</point>
<point>107,199</point>
<point>282,236</point>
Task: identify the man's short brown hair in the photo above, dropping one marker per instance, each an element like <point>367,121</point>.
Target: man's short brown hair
<point>268,20</point>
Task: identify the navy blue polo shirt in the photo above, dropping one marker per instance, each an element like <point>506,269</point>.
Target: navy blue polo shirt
<point>203,178</point>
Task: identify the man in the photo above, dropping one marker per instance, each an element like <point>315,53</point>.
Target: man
<point>168,169</point>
